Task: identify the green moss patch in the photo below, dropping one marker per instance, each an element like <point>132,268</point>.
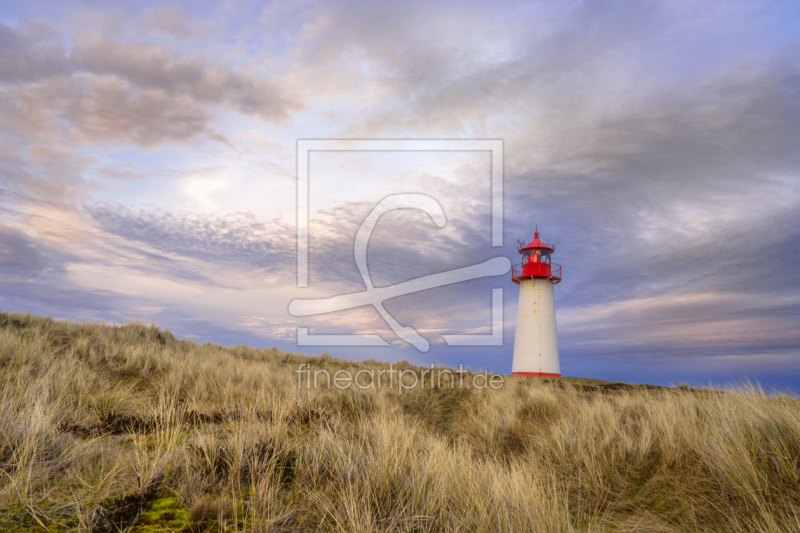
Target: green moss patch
<point>164,515</point>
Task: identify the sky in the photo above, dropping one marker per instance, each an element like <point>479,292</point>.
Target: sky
<point>148,171</point>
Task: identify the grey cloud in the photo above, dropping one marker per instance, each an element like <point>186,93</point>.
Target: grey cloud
<point>239,238</point>
<point>139,92</point>
<point>576,85</point>
<point>716,163</point>
<point>58,92</point>
<point>55,299</point>
<point>731,129</point>
<point>184,248</point>
<point>606,257</point>
<point>404,244</point>
<point>31,54</point>
<point>110,109</point>
<point>43,254</point>
<point>685,324</point>
<point>21,257</point>
<point>160,264</point>
<point>220,138</point>
<point>150,66</point>
<point>29,111</point>
<point>49,170</point>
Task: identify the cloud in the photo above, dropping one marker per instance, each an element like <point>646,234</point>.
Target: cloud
<point>687,323</point>
<point>405,244</point>
<point>60,93</point>
<point>138,92</point>
<point>236,238</point>
<point>568,88</point>
<point>156,67</point>
<point>31,54</point>
<point>109,109</point>
<point>220,138</point>
<point>22,257</point>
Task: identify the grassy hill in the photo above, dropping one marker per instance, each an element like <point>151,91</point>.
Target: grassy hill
<point>127,428</point>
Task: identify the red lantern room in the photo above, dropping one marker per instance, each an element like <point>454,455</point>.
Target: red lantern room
<point>536,262</point>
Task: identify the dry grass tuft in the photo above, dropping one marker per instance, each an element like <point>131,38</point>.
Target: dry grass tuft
<point>129,429</point>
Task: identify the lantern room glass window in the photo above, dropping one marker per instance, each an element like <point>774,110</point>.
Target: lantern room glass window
<point>535,256</point>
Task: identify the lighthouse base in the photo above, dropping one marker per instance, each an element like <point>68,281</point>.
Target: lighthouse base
<point>541,374</point>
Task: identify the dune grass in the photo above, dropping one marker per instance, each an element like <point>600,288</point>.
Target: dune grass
<point>129,429</point>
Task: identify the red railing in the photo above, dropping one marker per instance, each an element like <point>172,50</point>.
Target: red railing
<point>536,270</point>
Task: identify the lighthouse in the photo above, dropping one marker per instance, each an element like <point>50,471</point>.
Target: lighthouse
<point>535,343</point>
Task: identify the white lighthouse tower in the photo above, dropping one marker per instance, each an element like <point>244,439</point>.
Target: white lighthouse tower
<point>535,343</point>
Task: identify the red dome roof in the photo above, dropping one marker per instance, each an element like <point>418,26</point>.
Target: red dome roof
<point>536,244</point>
